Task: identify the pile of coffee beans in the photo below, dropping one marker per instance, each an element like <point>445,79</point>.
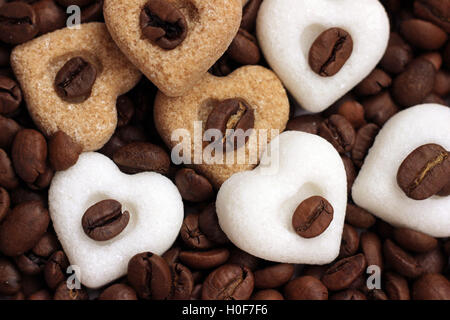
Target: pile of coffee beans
<point>376,260</point>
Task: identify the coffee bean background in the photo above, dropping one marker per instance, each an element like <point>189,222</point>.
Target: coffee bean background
<point>203,264</point>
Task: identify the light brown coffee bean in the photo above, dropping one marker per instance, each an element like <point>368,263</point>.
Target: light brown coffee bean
<point>341,274</point>
<point>305,288</point>
<point>312,217</point>
<point>423,34</point>
<point>63,152</point>
<point>273,276</point>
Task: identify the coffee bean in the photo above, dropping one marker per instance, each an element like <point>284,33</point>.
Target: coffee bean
<point>364,140</point>
<point>244,259</point>
<point>55,269</point>
<point>377,294</point>
<point>423,34</point>
<point>349,294</point>
<point>192,186</point>
<point>30,264</point>
<point>223,67</point>
<point>63,151</point>
<point>41,295</point>
<point>339,132</point>
<point>396,286</point>
<point>5,202</point>
<point>23,227</point>
<point>431,287</point>
<point>401,261</point>
<point>435,11</point>
<point>305,288</point>
<point>10,279</point>
<point>209,225</point>
<point>138,157</point>
<point>424,172</point>
<point>316,271</point>
<point>397,56</point>
<point>118,291</point>
<point>249,15</point>
<point>104,220</point>
<point>18,22</point>
<point>21,195</point>
<point>244,48</point>
<point>268,294</point>
<point>150,276</point>
<point>10,95</point>
<point>330,51</point>
<point>182,282</point>
<point>92,12</point>
<point>43,181</point>
<point>349,241</point>
<point>74,81</point>
<point>307,123</point>
<point>192,235</point>
<point>29,155</point>
<point>80,3</point>
<point>64,293</point>
<point>442,83</point>
<point>372,249</point>
<point>380,108</point>
<point>374,83</point>
<point>415,83</point>
<point>434,57</point>
<point>232,117</point>
<point>433,261</point>
<point>414,240</point>
<point>125,110</point>
<point>50,16</point>
<point>350,172</point>
<point>341,274</point>
<point>353,112</point>
<point>46,246</point>
<point>8,130</point>
<point>163,24</point>
<point>228,282</point>
<point>205,259</point>
<point>172,256</point>
<point>445,191</point>
<point>273,276</point>
<point>312,217</point>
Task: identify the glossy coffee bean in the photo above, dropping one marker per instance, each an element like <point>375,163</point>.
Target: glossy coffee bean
<point>442,83</point>
<point>401,261</point>
<point>196,292</point>
<point>307,123</point>
<point>244,48</point>
<point>268,294</point>
<point>92,12</point>
<point>10,95</point>
<point>118,291</point>
<point>125,110</point>
<point>350,171</point>
<point>372,248</point>
<point>182,282</point>
<point>353,112</point>
<point>50,16</point>
<point>8,130</point>
<point>18,22</point>
<point>435,11</point>
<point>46,246</point>
<point>192,186</point>
<point>414,241</point>
<point>209,225</point>
<point>63,152</point>
<point>423,34</point>
<point>273,276</point>
<point>341,274</point>
<point>23,227</point>
<point>431,287</point>
<point>339,132</point>
<point>29,263</point>
<point>435,58</point>
<point>364,140</point>
<point>228,282</point>
<point>62,292</point>
<point>433,261</point>
<point>312,217</point>
<point>10,278</point>
<point>397,56</point>
<point>5,203</point>
<point>205,259</point>
<point>55,269</point>
<point>150,276</point>
<point>316,271</point>
<point>249,14</point>
<point>244,259</point>
<point>349,294</point>
<point>349,242</point>
<point>380,108</point>
<point>374,83</point>
<point>191,234</point>
<point>4,54</point>
<point>138,157</point>
<point>396,287</point>
<point>358,217</point>
<point>305,288</point>
<point>21,195</point>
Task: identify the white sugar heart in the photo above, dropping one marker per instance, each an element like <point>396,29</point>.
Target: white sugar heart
<point>153,201</point>
<point>255,208</point>
<point>376,188</point>
<point>286,29</point>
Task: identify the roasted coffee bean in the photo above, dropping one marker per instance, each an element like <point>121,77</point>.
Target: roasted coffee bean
<point>63,292</point>
<point>150,276</point>
<point>384,229</point>
<point>46,246</point>
<point>435,58</point>
<point>442,83</point>
<point>105,220</point>
<point>423,34</point>
<point>50,16</point>
<point>92,12</point>
<point>380,108</point>
<point>364,140</point>
<point>372,248</point>
<point>445,191</point>
<point>192,186</point>
<point>349,294</point>
<point>138,157</point>
<point>125,110</point>
<point>163,24</point>
<point>74,81</point>
<point>330,51</point>
<point>339,132</point>
<point>205,259</point>
<point>433,261</point>
<point>396,287</point>
<point>8,130</point>
<point>433,98</point>
<point>374,83</point>
<point>414,240</point>
<point>10,95</point>
<point>353,112</point>
<point>29,155</point>
<point>18,22</point>
<point>228,282</point>
<point>414,84</point>
<point>397,56</point>
<point>307,123</point>
<point>424,172</point>
<point>172,256</point>
<point>23,227</point>
<point>232,117</point>
<point>63,152</point>
<point>182,282</point>
<point>349,241</point>
<point>223,67</point>
<point>249,14</point>
<point>5,202</point>
<point>10,279</point>
<point>431,287</point>
<point>41,295</point>
<point>244,259</point>
<point>55,269</point>
<point>273,276</point>
<point>350,172</point>
<point>436,11</point>
<point>401,261</point>
<point>209,225</point>
<point>312,217</point>
<point>341,274</point>
<point>21,195</point>
<point>29,263</point>
<point>192,235</point>
<point>305,288</point>
<point>316,271</point>
<point>118,291</point>
<point>196,292</point>
<point>377,294</point>
<point>268,294</point>
<point>244,48</point>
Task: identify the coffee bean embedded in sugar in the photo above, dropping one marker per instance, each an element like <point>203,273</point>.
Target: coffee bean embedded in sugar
<point>18,22</point>
<point>312,217</point>
<point>163,24</point>
<point>330,51</point>
<point>105,220</point>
